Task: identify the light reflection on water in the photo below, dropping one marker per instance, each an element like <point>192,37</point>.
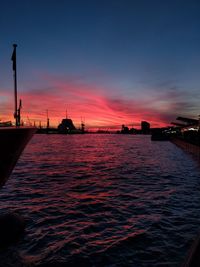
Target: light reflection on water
<point>104,200</point>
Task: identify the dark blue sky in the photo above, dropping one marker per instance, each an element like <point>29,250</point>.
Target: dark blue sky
<point>139,58</point>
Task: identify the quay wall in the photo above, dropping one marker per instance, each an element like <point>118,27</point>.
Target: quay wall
<point>193,257</point>
<point>190,148</point>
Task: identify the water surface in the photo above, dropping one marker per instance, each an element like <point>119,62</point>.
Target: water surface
<point>103,200</point>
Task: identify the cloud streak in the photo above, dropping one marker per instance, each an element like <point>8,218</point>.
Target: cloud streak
<point>97,105</point>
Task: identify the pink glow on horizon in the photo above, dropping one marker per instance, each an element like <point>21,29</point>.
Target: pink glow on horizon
<point>91,103</point>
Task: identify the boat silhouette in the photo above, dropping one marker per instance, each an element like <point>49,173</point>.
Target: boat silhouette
<point>13,139</point>
<point>12,142</point>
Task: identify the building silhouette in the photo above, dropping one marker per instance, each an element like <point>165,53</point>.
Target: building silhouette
<point>66,126</point>
<point>125,129</point>
<point>145,127</point>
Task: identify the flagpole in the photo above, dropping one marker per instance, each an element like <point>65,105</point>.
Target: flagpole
<point>15,82</point>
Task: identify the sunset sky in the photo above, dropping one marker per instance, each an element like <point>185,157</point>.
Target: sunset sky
<point>109,62</point>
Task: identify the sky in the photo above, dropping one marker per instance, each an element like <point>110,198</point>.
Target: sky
<point>106,62</point>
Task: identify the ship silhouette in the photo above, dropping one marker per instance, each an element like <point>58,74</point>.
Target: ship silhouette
<point>13,139</point>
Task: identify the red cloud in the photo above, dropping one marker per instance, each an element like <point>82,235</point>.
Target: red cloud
<point>95,104</point>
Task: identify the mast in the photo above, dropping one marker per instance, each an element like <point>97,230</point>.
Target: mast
<point>15,83</point>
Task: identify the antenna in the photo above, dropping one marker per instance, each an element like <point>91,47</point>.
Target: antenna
<point>19,112</point>
<point>82,125</point>
<point>30,124</point>
<point>47,118</point>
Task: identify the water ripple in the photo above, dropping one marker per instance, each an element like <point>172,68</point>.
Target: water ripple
<point>103,200</point>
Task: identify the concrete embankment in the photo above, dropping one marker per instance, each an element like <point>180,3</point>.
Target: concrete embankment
<point>193,257</point>
<point>190,148</point>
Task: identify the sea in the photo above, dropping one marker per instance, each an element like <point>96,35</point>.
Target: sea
<point>103,200</point>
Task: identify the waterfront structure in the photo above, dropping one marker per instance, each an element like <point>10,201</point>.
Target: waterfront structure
<point>5,123</point>
<point>186,122</point>
<point>145,127</point>
<point>125,129</point>
<point>66,126</point>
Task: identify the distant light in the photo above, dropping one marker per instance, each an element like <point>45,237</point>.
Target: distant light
<point>193,129</point>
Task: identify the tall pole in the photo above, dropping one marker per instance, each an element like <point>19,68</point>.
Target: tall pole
<point>47,119</point>
<point>15,83</point>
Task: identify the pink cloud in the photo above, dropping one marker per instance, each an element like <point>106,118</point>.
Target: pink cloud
<point>92,102</point>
